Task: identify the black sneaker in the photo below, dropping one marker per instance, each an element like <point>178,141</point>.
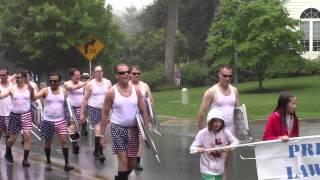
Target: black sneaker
<point>67,167</point>
<point>25,163</point>
<point>48,167</point>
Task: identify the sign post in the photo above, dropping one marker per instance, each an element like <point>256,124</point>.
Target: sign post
<point>91,47</point>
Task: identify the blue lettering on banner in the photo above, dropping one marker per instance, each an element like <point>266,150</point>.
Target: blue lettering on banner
<point>304,149</point>
<point>305,170</point>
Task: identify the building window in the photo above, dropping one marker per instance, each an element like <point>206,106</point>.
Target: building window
<point>316,36</point>
<point>310,25</point>
<point>305,26</point>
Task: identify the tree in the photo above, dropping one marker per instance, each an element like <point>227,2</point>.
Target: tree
<point>195,18</point>
<point>260,31</point>
<point>45,33</point>
<point>172,24</point>
<point>147,49</point>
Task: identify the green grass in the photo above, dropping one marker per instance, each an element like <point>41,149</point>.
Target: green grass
<point>259,104</point>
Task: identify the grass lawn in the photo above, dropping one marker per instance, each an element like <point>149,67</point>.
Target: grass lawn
<point>259,104</point>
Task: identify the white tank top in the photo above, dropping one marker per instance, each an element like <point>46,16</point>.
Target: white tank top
<point>124,109</point>
<point>76,97</point>
<point>54,106</point>
<point>226,104</point>
<point>21,101</point>
<point>5,103</point>
<point>98,94</point>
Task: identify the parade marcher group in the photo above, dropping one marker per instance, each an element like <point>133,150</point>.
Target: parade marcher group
<point>118,105</point>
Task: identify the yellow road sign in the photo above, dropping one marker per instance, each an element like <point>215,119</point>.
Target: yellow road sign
<point>91,47</point>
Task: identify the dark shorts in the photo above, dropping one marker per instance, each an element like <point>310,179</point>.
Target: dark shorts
<point>18,122</point>
<point>4,120</point>
<point>125,140</point>
<point>48,128</point>
<point>94,115</point>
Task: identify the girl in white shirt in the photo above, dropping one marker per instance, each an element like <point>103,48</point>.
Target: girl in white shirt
<point>215,135</point>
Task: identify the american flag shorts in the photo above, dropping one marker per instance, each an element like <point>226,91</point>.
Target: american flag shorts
<point>18,122</point>
<point>94,115</point>
<point>77,111</point>
<point>48,128</point>
<point>125,139</point>
<point>4,120</point>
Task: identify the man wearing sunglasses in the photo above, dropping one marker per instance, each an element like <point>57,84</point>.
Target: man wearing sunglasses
<point>223,96</point>
<point>124,101</point>
<point>54,118</point>
<point>20,117</point>
<point>75,89</point>
<point>94,94</point>
<point>135,73</point>
<point>5,103</point>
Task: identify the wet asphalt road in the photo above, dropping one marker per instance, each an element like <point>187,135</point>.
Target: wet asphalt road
<point>177,164</point>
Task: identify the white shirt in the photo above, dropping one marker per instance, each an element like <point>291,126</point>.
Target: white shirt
<point>212,163</point>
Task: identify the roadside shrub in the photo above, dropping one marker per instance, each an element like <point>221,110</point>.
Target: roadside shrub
<point>194,74</point>
<point>154,77</point>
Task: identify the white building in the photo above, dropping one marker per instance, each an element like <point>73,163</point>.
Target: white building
<point>308,11</point>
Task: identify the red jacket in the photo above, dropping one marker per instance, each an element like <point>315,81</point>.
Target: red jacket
<point>275,128</point>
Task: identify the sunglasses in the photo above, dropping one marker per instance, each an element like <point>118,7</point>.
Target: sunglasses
<point>135,74</point>
<point>18,77</point>
<point>2,75</point>
<point>123,72</point>
<point>225,76</point>
<point>53,81</point>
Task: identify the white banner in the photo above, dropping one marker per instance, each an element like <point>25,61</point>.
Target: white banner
<point>296,159</point>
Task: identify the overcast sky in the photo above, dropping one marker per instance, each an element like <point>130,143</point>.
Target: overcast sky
<point>119,6</point>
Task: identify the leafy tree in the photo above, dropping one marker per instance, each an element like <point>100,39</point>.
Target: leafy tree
<point>194,20</point>
<point>147,49</point>
<point>43,35</point>
<point>260,31</point>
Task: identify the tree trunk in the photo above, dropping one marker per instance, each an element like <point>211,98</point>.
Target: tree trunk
<point>172,23</point>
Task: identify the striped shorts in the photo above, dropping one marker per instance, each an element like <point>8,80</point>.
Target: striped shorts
<point>94,115</point>
<point>4,120</point>
<point>125,140</point>
<point>18,122</point>
<point>48,128</point>
<point>77,111</point>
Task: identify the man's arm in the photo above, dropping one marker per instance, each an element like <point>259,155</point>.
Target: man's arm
<point>41,94</point>
<point>105,120</point>
<point>149,92</point>
<point>87,93</point>
<point>206,101</point>
<point>237,97</point>
<point>71,87</point>
<point>5,93</point>
<point>142,109</point>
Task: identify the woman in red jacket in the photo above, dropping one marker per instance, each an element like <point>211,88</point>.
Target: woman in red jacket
<point>283,122</point>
